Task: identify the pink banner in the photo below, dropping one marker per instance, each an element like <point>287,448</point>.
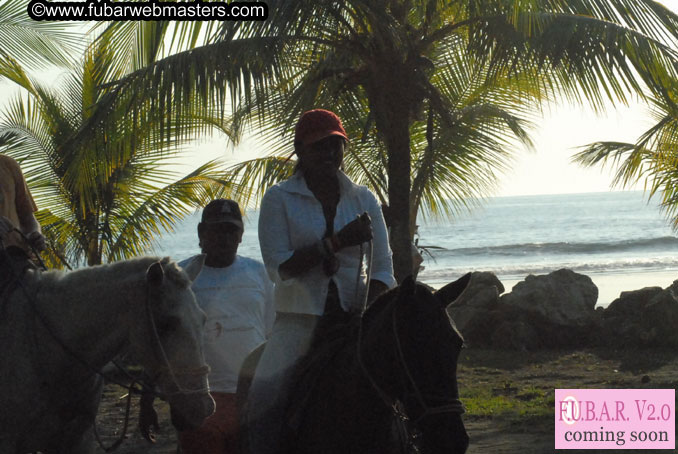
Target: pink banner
<point>615,419</point>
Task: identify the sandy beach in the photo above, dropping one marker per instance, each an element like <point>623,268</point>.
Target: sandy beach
<point>611,285</point>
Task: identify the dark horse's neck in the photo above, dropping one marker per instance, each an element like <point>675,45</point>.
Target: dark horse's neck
<point>348,409</point>
<point>405,344</point>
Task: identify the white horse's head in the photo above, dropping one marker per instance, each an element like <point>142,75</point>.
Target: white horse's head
<point>172,342</point>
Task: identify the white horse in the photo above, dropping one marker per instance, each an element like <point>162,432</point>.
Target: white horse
<point>58,328</point>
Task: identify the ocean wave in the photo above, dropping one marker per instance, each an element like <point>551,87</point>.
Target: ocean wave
<point>665,243</point>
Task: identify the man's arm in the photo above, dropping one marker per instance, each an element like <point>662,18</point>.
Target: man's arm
<point>6,227</point>
<point>25,207</point>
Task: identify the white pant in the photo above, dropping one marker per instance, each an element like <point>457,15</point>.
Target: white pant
<point>267,400</point>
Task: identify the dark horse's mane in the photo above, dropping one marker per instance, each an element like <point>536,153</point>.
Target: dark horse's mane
<point>357,362</point>
<point>338,329</point>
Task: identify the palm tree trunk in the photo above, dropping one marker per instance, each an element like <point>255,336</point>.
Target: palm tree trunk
<point>93,246</point>
<point>398,145</point>
<point>392,120</point>
<point>93,252</point>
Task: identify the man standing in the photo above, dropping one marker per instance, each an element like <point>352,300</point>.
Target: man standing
<point>237,296</point>
<point>17,208</point>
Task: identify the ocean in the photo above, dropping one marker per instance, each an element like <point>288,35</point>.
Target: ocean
<point>616,238</point>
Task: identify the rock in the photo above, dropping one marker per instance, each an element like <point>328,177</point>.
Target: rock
<point>562,297</point>
<point>515,335</point>
<point>480,297</point>
<point>620,322</point>
<point>558,311</point>
<point>673,287</point>
<point>659,320</point>
<point>631,303</point>
<point>558,307</point>
<point>643,318</point>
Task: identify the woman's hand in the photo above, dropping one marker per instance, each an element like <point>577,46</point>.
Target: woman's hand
<point>355,232</point>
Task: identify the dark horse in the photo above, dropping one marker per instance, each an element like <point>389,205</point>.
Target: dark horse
<point>391,384</point>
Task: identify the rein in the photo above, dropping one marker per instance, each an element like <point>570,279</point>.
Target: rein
<point>453,406</point>
<point>167,366</point>
<point>130,389</point>
<point>123,434</point>
<point>380,392</point>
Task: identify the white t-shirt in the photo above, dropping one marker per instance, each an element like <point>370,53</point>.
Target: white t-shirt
<point>238,301</point>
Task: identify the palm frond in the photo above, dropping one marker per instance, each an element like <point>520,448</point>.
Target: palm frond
<point>35,43</point>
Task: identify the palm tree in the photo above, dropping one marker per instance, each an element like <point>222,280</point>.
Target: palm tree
<point>109,197</point>
<point>653,159</point>
<point>386,61</point>
<point>453,165</point>
<point>35,43</point>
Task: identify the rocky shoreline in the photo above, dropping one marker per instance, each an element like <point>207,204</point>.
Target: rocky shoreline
<point>558,310</point>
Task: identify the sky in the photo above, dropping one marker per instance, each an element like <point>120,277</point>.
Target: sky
<point>547,170</point>
<point>558,136</point>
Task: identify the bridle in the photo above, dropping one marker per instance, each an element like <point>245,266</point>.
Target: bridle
<point>158,347</point>
<point>450,405</point>
<point>131,388</point>
<point>166,366</point>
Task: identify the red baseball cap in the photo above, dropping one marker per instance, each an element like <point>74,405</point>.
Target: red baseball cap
<point>317,124</point>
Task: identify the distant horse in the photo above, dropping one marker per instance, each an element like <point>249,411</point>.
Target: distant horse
<point>396,368</point>
<point>57,329</point>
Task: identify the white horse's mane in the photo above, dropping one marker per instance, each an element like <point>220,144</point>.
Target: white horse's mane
<point>108,271</point>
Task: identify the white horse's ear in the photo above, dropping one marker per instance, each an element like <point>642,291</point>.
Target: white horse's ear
<point>155,274</point>
<point>193,268</point>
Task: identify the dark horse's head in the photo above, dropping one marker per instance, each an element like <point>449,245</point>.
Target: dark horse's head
<point>418,362</point>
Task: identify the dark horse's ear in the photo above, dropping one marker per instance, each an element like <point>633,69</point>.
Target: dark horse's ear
<point>155,274</point>
<point>451,291</point>
<point>408,286</point>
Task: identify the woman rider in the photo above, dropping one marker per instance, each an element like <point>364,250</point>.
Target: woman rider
<point>310,230</point>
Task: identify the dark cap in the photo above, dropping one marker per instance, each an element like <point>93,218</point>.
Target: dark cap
<point>316,125</point>
<point>222,210</point>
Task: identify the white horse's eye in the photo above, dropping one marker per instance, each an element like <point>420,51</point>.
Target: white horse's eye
<point>168,325</point>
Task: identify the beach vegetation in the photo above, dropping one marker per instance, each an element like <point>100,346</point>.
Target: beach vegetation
<point>652,160</point>
<point>437,90</point>
<point>106,191</point>
<point>35,43</point>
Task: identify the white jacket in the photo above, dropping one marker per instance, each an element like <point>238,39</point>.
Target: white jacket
<point>292,218</point>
